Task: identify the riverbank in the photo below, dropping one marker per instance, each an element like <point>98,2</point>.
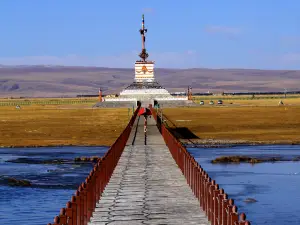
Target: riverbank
<point>231,143</point>
<point>253,160</point>
<point>54,146</point>
<point>60,125</point>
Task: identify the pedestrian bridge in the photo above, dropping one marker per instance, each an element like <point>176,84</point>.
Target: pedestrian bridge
<point>149,178</point>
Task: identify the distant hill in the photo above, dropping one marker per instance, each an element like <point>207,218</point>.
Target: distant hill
<point>54,81</point>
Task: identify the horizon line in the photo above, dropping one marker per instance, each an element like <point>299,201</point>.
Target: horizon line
<point>170,68</point>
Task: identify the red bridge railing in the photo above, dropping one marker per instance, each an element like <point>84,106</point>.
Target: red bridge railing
<point>79,210</point>
<point>214,201</point>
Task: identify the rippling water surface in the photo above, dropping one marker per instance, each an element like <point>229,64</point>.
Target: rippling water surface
<point>275,186</point>
<point>52,184</point>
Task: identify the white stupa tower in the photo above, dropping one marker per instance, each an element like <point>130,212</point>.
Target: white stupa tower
<point>144,87</point>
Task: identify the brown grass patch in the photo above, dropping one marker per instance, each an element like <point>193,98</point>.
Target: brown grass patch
<point>279,124</point>
<point>53,125</point>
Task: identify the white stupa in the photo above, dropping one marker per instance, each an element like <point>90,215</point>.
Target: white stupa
<point>145,87</point>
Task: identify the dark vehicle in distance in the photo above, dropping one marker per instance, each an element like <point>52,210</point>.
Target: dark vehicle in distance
<point>220,102</point>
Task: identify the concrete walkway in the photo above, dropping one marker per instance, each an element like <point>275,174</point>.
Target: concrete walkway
<point>147,187</point>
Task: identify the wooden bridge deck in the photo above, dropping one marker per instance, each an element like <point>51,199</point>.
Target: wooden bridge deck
<point>147,187</point>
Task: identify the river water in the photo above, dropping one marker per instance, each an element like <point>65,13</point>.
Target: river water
<point>52,184</point>
<point>275,186</point>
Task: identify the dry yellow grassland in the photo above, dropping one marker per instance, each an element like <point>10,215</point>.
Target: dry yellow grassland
<point>53,125</point>
<point>254,124</point>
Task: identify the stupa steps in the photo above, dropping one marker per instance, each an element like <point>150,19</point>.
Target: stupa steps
<point>162,104</point>
<point>117,104</point>
<point>176,103</point>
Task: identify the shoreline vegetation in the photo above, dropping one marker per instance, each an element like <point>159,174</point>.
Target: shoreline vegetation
<point>82,159</point>
<point>236,159</point>
<point>231,144</point>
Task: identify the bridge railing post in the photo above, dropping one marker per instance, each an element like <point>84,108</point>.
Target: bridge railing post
<point>234,216</point>
<point>214,212</point>
<point>78,209</point>
<point>56,220</point>
<point>62,216</point>
<point>81,205</point>
<point>243,220</point>
<point>225,210</point>
<point>207,182</point>
<point>74,210</point>
<point>195,180</point>
<point>198,173</point>
<point>89,191</point>
<point>217,217</point>
<point>94,188</point>
<point>69,213</point>
<point>229,211</point>
<point>214,191</point>
<point>84,193</point>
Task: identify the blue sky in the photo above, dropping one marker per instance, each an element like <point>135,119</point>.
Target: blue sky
<point>263,34</point>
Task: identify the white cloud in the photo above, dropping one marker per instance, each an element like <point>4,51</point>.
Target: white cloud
<point>222,30</point>
<point>163,59</point>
